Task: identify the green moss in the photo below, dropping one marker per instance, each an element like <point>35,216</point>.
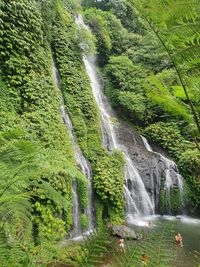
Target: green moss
<point>84,222</point>
<point>172,203</point>
<point>162,201</point>
<point>99,213</point>
<point>109,181</point>
<point>82,188</point>
<point>175,201</point>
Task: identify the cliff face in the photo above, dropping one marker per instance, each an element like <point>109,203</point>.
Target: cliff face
<point>67,159</point>
<point>32,33</point>
<point>157,171</point>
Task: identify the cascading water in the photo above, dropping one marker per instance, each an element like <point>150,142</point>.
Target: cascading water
<point>138,201</point>
<point>171,175</point>
<point>84,167</point>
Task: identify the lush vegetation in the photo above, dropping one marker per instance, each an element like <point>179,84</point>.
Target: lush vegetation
<point>150,67</point>
<point>37,159</point>
<point>82,109</point>
<point>155,89</point>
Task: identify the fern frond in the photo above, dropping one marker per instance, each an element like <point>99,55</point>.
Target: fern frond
<point>94,248</point>
<point>45,188</point>
<point>176,24</point>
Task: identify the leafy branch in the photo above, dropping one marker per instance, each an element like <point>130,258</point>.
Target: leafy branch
<point>163,24</point>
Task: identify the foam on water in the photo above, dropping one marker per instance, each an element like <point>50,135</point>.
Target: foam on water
<point>143,221</point>
<point>188,220</point>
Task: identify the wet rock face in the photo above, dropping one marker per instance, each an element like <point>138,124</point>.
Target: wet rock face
<point>123,232</point>
<point>152,166</point>
<point>145,162</point>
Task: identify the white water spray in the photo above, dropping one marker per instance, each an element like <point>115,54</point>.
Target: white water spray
<point>138,201</point>
<point>171,175</point>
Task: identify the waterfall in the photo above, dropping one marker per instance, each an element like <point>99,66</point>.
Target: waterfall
<point>84,166</point>
<point>172,177</point>
<point>138,202</point>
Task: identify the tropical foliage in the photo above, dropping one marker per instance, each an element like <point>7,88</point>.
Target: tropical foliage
<point>31,206</point>
<point>81,106</point>
<point>152,77</point>
<point>150,65</point>
<point>30,119</point>
<point>177,28</point>
<point>36,155</point>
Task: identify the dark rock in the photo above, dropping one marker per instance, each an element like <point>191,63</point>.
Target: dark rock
<point>150,164</point>
<point>123,232</point>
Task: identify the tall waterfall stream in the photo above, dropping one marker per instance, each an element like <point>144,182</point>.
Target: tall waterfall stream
<point>138,201</point>
<point>84,166</point>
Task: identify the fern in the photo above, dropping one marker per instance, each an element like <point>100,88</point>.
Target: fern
<point>176,24</point>
<point>23,178</point>
<point>159,94</point>
<point>94,248</point>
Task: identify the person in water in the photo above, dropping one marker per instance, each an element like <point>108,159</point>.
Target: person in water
<point>121,245</point>
<point>178,240</point>
<point>144,259</point>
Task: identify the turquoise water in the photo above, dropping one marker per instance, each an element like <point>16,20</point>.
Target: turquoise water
<point>190,232</point>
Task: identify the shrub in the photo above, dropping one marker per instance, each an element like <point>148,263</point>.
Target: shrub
<point>109,181</point>
<point>168,136</point>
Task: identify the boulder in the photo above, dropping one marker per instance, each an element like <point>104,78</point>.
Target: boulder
<point>123,232</point>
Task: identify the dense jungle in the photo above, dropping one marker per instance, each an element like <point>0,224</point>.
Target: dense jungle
<point>99,133</point>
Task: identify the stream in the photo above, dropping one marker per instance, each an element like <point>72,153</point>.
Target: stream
<point>188,227</point>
